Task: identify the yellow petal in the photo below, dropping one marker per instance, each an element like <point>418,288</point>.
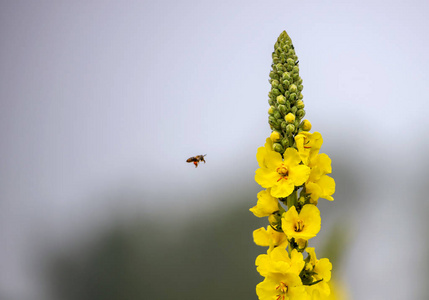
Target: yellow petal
<point>323,269</point>
<point>266,290</point>
<point>324,163</point>
<point>292,157</point>
<point>282,188</point>
<point>296,262</point>
<point>299,174</point>
<point>273,159</point>
<point>268,144</point>
<point>266,177</point>
<point>310,214</point>
<point>314,189</point>
<point>260,156</point>
<point>260,237</point>
<point>327,184</point>
<point>266,204</point>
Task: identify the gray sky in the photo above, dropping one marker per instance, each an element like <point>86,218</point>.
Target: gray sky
<point>100,96</point>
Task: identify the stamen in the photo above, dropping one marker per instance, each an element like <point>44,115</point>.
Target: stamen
<point>299,226</point>
<point>306,143</point>
<point>283,172</point>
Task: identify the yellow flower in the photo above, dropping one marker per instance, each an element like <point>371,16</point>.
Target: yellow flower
<point>266,204</point>
<point>321,267</point>
<point>269,237</point>
<point>283,286</point>
<point>304,225</point>
<point>308,144</point>
<point>321,270</point>
<point>278,261</point>
<point>282,275</point>
<point>318,183</point>
<point>280,175</point>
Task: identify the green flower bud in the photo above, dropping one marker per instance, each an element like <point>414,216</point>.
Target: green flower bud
<point>293,88</point>
<point>306,125</point>
<point>290,128</point>
<point>292,97</point>
<point>273,75</point>
<point>285,142</point>
<point>286,83</point>
<point>275,57</point>
<point>279,67</point>
<point>270,102</point>
<point>300,87</point>
<point>274,83</point>
<point>296,123</point>
<point>300,113</point>
<point>290,61</point>
<point>278,148</point>
<point>290,118</point>
<point>300,96</point>
<point>275,136</point>
<point>293,110</point>
<point>271,120</point>
<point>277,115</point>
<point>286,76</point>
<point>275,92</point>
<point>277,125</point>
<point>275,222</point>
<point>283,125</point>
<point>282,109</point>
<point>300,104</point>
<point>301,245</point>
<point>271,110</point>
<point>295,69</point>
<point>281,99</point>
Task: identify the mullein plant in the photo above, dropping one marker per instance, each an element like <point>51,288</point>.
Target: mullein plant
<point>294,176</point>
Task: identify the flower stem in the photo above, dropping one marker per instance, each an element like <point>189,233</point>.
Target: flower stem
<point>291,200</point>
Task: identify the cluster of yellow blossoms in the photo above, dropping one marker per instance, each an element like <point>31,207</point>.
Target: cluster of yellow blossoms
<point>290,164</point>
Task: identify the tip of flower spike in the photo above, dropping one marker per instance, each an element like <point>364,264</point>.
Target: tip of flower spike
<point>284,35</point>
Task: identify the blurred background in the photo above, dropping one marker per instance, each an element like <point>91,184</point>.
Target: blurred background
<point>102,102</point>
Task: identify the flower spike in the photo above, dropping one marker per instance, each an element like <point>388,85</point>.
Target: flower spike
<point>294,175</point>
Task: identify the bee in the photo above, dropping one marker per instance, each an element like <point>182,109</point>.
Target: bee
<point>196,159</point>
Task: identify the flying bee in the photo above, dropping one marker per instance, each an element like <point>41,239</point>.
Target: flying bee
<point>196,159</point>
